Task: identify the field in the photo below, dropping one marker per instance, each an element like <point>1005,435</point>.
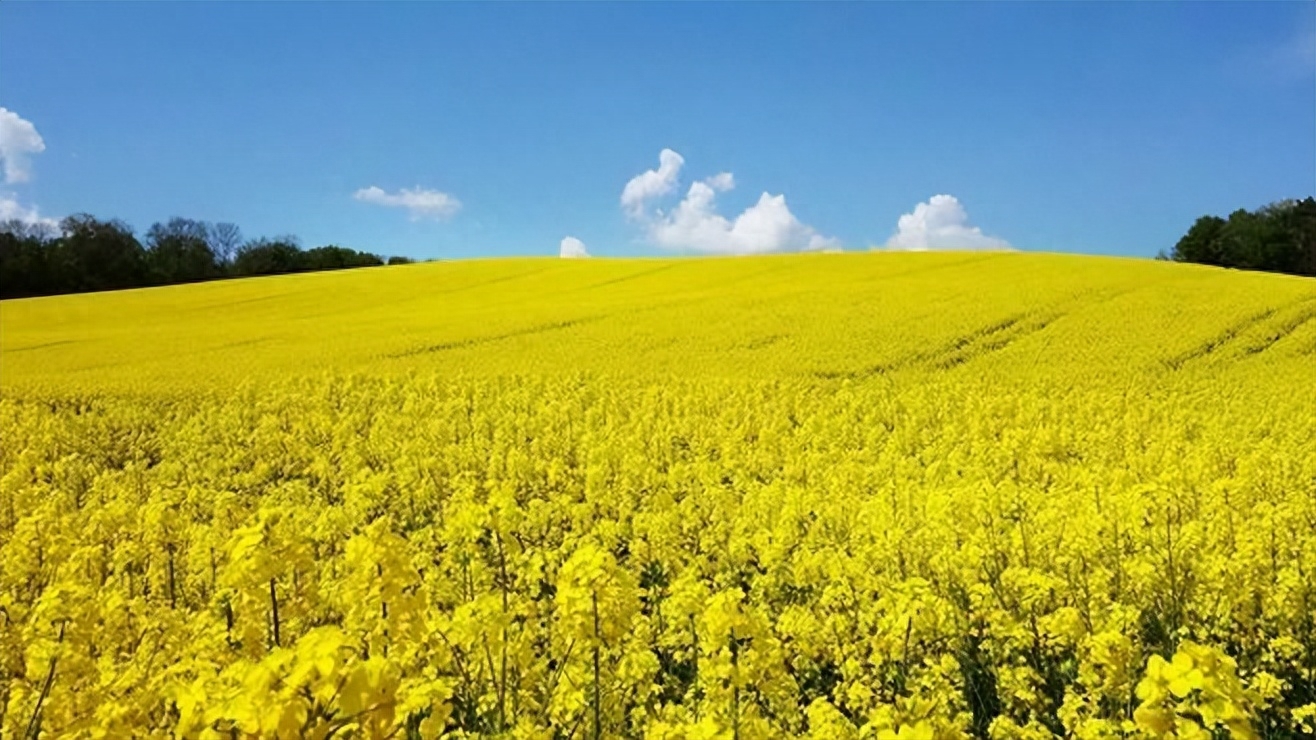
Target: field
<point>888,496</point>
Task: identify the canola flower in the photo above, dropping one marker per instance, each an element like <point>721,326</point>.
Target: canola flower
<point>977,522</point>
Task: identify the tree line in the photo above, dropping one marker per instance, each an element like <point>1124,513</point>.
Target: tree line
<point>87,254</point>
<point>1279,237</point>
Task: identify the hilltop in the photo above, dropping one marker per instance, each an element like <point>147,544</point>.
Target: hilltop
<point>816,315</point>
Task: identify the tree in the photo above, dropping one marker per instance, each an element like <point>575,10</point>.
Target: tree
<point>86,253</point>
<point>180,252</point>
<point>1202,242</point>
<point>268,257</point>
<point>224,240</point>
<point>1261,240</point>
<point>1304,220</point>
<point>25,259</point>
<point>1279,237</point>
<point>333,257</point>
<point>39,230</point>
<point>98,255</point>
<point>1295,220</point>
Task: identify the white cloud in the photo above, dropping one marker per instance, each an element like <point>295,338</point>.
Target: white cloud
<point>941,223</point>
<point>722,181</point>
<point>571,248</point>
<point>695,224</point>
<point>12,210</point>
<point>651,184</point>
<point>419,202</point>
<point>19,140</point>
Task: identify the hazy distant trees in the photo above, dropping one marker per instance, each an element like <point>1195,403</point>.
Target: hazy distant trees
<point>86,253</point>
<point>1280,237</point>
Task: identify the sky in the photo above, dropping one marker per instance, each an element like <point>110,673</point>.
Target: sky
<point>436,130</point>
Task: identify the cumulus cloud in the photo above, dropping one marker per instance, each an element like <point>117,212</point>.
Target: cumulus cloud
<point>940,223</point>
<point>12,210</point>
<point>695,224</point>
<point>721,181</point>
<point>419,202</point>
<point>19,140</point>
<point>572,248</point>
<point>651,184</point>
<point>766,226</point>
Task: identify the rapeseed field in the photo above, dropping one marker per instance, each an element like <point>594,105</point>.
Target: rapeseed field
<point>888,496</point>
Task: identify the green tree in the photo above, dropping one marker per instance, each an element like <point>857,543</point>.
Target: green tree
<point>1279,237</point>
<point>98,255</point>
<point>269,257</point>
<point>179,252</point>
<point>25,259</point>
<point>1296,221</point>
<point>1202,242</point>
<point>333,257</point>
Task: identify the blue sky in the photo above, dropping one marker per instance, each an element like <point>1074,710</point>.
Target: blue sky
<point>1102,127</point>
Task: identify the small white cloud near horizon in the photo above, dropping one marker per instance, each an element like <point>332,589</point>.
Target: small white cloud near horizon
<point>19,140</point>
<point>572,248</point>
<point>419,202</point>
<point>695,224</point>
<point>940,223</point>
<point>12,210</point>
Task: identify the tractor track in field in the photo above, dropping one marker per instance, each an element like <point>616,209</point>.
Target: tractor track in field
<point>1280,332</point>
<point>43,345</point>
<point>1222,339</point>
<point>489,339</point>
<point>761,342</point>
<point>962,349</point>
<point>997,340</point>
<point>241,343</point>
<point>625,278</point>
<point>922,269</point>
<point>491,281</point>
<point>1235,332</point>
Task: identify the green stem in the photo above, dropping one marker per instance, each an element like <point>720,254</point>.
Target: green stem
<point>735,689</point>
<point>598,725</point>
<point>274,606</point>
<point>34,724</point>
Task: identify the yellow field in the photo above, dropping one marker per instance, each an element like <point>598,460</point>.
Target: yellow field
<point>827,496</point>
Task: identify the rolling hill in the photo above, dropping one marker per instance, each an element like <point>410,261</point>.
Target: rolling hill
<point>827,315</point>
